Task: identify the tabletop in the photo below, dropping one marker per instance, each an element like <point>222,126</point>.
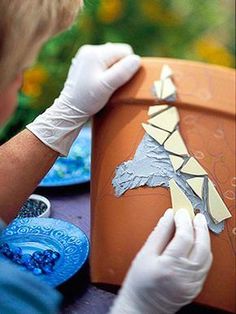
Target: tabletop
<point>72,204</point>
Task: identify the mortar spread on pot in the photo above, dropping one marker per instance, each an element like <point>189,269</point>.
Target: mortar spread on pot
<point>162,159</point>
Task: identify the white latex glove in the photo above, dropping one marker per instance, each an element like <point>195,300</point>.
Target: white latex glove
<point>167,273</point>
<point>96,72</point>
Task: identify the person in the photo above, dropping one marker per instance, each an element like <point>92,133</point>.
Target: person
<point>170,269</point>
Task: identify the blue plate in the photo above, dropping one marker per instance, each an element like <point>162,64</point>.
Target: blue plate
<point>35,234</point>
<point>75,168</point>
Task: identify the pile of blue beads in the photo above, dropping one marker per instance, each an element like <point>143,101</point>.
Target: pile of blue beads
<point>32,208</point>
<point>40,262</point>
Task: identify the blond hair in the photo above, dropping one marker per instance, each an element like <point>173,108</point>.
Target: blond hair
<point>24,26</point>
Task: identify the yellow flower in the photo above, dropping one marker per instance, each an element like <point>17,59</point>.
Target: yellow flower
<point>110,11</point>
<point>36,74</point>
<point>33,80</point>
<point>155,12</point>
<point>212,51</point>
<point>32,90</point>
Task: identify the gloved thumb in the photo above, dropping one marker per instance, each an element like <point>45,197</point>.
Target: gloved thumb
<point>121,72</point>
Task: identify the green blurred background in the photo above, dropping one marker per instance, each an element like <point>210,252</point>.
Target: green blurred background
<point>186,29</point>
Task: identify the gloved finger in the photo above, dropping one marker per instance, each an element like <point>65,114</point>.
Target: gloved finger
<point>111,53</point>
<point>121,72</point>
<point>202,245</point>
<point>193,271</point>
<point>202,270</point>
<point>183,240</point>
<point>162,233</point>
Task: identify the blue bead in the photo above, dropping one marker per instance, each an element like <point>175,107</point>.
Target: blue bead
<point>17,250</point>
<point>37,253</point>
<point>8,253</point>
<point>39,262</point>
<point>4,247</point>
<point>32,208</point>
<point>37,271</point>
<point>17,259</point>
<point>48,260</point>
<point>38,259</point>
<point>48,253</point>
<point>26,258</point>
<point>51,265</point>
<point>36,263</point>
<point>56,256</point>
<point>47,269</point>
<point>29,266</point>
<point>38,256</point>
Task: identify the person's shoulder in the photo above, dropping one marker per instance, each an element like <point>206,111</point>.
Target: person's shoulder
<point>26,290</point>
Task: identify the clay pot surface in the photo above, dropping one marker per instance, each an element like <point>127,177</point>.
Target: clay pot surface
<point>120,225</point>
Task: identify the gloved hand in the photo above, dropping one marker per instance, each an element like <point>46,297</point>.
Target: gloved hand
<point>96,72</point>
<point>167,273</point>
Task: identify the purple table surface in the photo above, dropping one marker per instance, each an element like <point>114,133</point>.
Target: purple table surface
<point>72,204</point>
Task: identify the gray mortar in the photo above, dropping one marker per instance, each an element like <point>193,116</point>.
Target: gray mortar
<point>151,166</point>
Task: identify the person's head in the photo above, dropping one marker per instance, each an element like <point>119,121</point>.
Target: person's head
<point>24,26</point>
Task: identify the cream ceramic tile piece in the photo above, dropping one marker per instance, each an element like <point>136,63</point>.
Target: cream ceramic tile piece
<point>159,135</point>
<point>154,110</point>
<point>166,120</point>
<point>193,167</point>
<point>216,206</point>
<point>158,88</point>
<point>166,72</point>
<point>196,185</point>
<point>175,144</point>
<point>179,199</point>
<point>168,89</point>
<point>176,161</point>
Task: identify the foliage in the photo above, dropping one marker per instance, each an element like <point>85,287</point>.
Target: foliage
<point>197,30</point>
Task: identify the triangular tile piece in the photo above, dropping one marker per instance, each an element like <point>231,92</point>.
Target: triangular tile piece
<point>175,144</point>
<point>176,161</point>
<point>168,89</point>
<point>158,88</point>
<point>159,135</point>
<point>166,72</point>
<point>154,110</point>
<point>193,167</point>
<point>171,98</point>
<point>179,199</point>
<point>166,120</point>
<point>216,206</point>
<point>196,185</point>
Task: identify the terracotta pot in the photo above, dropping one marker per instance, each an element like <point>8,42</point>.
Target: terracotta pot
<point>120,225</point>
